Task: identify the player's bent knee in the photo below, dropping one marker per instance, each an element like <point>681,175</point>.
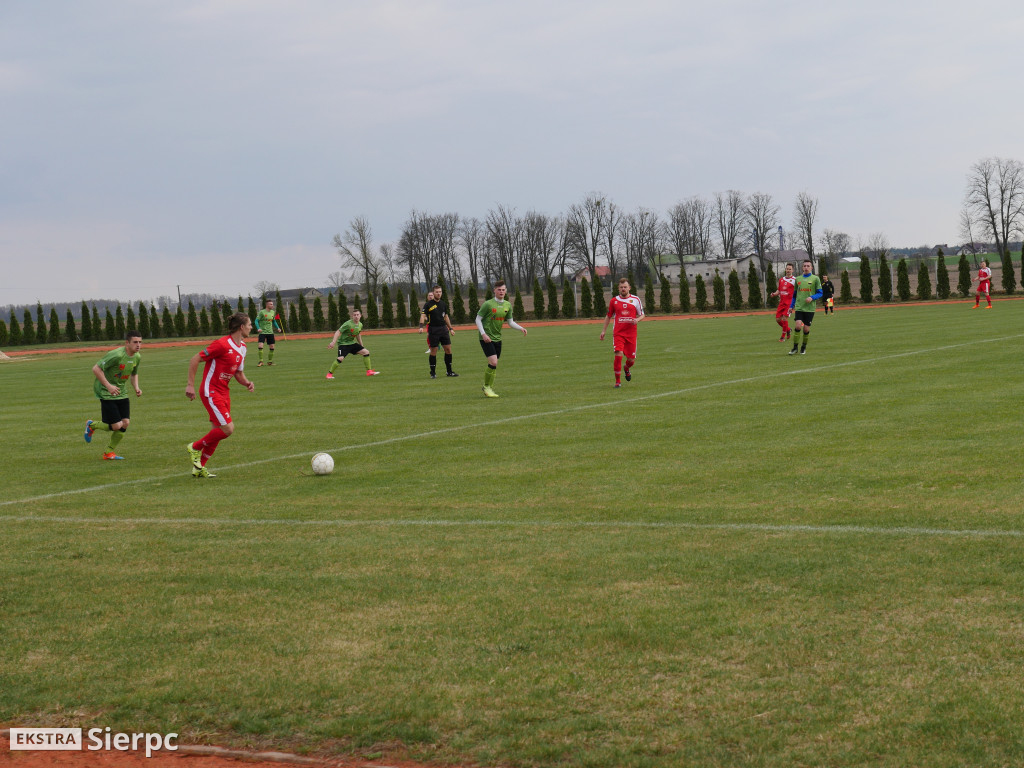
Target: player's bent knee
<point>228,428</point>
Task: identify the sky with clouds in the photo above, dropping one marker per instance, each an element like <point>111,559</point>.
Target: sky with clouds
<point>146,145</point>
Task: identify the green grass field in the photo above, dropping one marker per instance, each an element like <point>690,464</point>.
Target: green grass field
<point>740,558</point>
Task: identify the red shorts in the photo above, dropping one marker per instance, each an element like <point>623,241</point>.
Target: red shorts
<point>984,286</point>
<point>625,344</point>
<point>782,311</point>
<point>218,405</point>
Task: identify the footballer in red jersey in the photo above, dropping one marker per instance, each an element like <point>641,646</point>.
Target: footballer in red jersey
<point>787,286</point>
<point>627,311</point>
<point>225,360</point>
<point>984,280</point>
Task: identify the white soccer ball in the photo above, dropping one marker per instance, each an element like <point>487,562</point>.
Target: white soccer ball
<point>323,464</point>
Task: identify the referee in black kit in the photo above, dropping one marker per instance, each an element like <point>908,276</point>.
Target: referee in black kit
<point>439,328</point>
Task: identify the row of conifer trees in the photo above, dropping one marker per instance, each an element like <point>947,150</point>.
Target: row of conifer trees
<point>392,309</point>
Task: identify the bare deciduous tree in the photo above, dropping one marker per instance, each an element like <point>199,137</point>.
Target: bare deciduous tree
<point>762,216</point>
<point>356,250</point>
<point>473,238</point>
<point>995,198</point>
<point>728,218</point>
<point>805,215</point>
<point>336,280</point>
<point>612,224</point>
<point>429,245</point>
<point>542,238</point>
<point>446,228</point>
<point>585,225</point>
<point>836,245</point>
<point>505,233</point>
<point>264,288</point>
<point>689,227</point>
<point>969,229</point>
<point>875,244</point>
<point>387,262</point>
<point>642,234</point>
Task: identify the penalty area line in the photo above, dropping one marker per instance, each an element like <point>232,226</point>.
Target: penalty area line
<point>513,419</point>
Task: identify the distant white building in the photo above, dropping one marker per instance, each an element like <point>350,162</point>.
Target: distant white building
<point>669,264</point>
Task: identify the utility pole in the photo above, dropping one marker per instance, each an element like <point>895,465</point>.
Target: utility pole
<point>179,295</point>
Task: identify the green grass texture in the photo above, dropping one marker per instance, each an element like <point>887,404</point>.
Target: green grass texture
<point>739,558</point>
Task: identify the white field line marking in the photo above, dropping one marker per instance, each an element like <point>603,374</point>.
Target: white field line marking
<point>512,419</point>
<point>564,524</point>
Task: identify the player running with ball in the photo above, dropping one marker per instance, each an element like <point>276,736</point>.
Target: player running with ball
<point>627,311</point>
<point>225,360</point>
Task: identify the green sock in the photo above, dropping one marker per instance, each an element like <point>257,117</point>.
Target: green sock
<point>489,376</point>
<point>334,366</point>
<point>366,362</point>
<point>260,350</point>
<point>806,337</point>
<point>115,438</point>
<point>99,426</point>
<point>270,355</point>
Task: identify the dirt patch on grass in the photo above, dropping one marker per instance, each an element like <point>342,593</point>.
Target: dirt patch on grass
<point>185,756</point>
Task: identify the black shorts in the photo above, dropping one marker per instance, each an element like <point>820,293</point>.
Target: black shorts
<point>491,348</point>
<point>804,317</point>
<point>349,349</point>
<point>113,411</point>
<point>437,336</point>
<point>266,337</point>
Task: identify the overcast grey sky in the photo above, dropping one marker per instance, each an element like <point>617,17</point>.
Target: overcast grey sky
<point>145,145</point>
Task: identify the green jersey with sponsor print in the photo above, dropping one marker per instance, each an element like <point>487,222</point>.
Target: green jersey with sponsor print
<point>265,321</point>
<point>492,314</point>
<point>118,366</point>
<point>806,286</point>
<point>349,332</point>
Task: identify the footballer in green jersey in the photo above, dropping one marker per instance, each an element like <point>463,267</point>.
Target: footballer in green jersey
<point>805,298</point>
<point>350,342</point>
<point>266,324</point>
<point>115,372</point>
<point>492,315</point>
